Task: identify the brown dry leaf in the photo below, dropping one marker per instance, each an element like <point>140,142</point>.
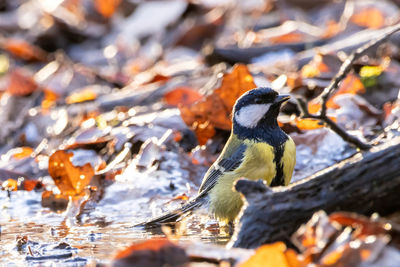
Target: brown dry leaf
<point>182,96</point>
<point>70,179</point>
<point>214,111</point>
<point>106,8</point>
<point>81,96</point>
<point>21,84</point>
<point>292,37</point>
<point>153,252</point>
<point>272,255</point>
<point>24,50</point>
<point>369,17</point>
<point>364,225</point>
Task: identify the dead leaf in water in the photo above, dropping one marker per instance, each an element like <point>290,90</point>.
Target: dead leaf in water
<point>70,179</point>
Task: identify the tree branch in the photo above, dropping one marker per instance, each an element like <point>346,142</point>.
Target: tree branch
<point>343,71</point>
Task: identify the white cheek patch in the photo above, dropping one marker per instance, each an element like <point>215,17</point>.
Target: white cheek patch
<point>250,115</point>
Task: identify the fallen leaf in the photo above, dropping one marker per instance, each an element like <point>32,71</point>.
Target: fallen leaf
<point>182,96</point>
<point>10,185</point>
<point>81,96</point>
<point>369,17</point>
<point>309,124</point>
<point>106,8</point>
<point>151,253</point>
<point>214,111</point>
<point>30,185</point>
<point>272,255</point>
<point>292,37</point>
<point>22,152</point>
<point>321,63</point>
<point>21,84</point>
<point>24,50</point>
<point>70,179</point>
<point>332,29</point>
<point>350,85</point>
<point>49,99</point>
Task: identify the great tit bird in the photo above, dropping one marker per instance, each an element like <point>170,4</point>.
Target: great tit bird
<point>256,149</point>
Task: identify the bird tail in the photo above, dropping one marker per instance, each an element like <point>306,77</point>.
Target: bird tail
<point>174,215</point>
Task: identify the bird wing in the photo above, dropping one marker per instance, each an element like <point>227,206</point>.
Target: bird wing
<point>223,164</point>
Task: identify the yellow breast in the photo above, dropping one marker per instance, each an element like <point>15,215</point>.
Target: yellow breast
<point>258,163</point>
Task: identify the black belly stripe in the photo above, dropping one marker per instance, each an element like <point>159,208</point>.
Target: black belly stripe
<point>278,179</point>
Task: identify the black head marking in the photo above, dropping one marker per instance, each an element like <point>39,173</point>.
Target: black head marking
<point>261,95</point>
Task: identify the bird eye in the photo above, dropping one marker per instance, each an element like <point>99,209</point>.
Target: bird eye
<point>258,101</point>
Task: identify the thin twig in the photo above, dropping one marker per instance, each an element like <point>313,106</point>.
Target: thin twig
<point>343,71</point>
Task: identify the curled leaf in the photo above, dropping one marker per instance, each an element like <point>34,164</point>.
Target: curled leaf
<point>214,111</point>
<point>70,179</point>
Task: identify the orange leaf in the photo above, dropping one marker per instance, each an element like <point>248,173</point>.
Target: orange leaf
<point>292,37</point>
<point>214,111</point>
<point>182,96</point>
<point>23,152</point>
<point>29,185</point>
<point>10,185</point>
<point>270,255</point>
<point>369,17</point>
<point>24,50</point>
<point>106,7</point>
<point>315,67</point>
<point>70,179</point>
<point>308,124</point>
<point>333,257</point>
<point>350,85</point>
<point>314,106</point>
<point>49,99</point>
<point>331,29</point>
<point>81,96</point>
<point>21,84</point>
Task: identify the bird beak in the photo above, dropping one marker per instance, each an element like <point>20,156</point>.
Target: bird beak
<point>281,98</point>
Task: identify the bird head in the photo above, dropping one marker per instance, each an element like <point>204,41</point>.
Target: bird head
<point>258,108</point>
